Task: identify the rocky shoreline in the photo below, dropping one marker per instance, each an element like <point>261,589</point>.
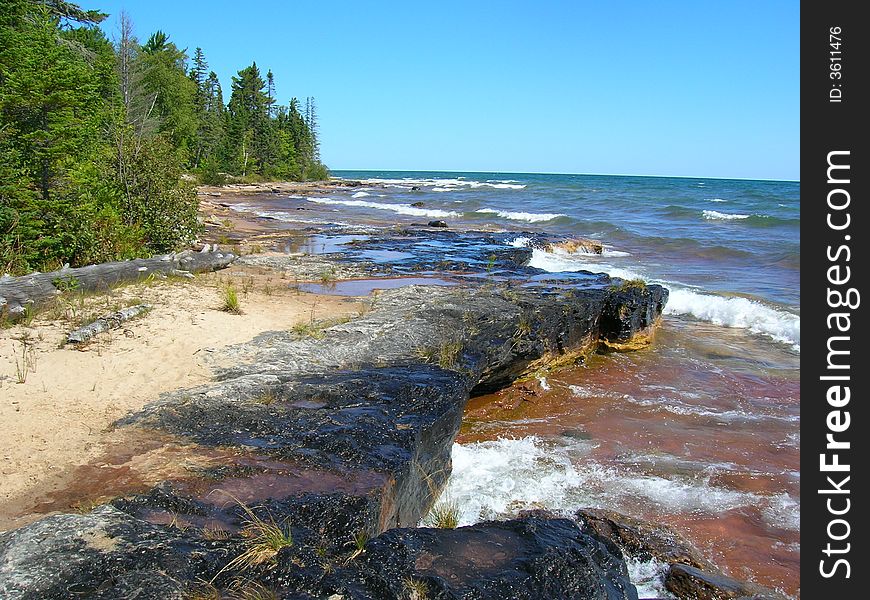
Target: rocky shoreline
<point>334,442</point>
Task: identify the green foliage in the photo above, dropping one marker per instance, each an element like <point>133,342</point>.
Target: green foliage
<point>629,284</point>
<point>153,195</point>
<point>210,174</point>
<point>94,138</point>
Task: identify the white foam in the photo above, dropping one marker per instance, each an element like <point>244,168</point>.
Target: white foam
<point>498,479</point>
<point>522,216</point>
<point>717,200</point>
<point>672,405</point>
<point>284,216</point>
<point>446,183</point>
<point>360,195</point>
<point>649,578</point>
<point>742,313</point>
<point>715,215</point>
<point>586,391</point>
<point>783,511</point>
<point>736,312</point>
<point>520,242</point>
<point>402,209</point>
<point>561,261</point>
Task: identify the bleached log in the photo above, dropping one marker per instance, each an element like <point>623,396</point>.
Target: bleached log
<point>17,294</point>
<point>106,322</point>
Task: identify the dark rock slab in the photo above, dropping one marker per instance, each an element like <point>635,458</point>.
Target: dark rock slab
<point>109,554</point>
<point>690,583</point>
<point>533,558</point>
<point>641,540</point>
<point>105,554</point>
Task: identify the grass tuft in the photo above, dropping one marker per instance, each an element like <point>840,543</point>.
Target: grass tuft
<point>328,277</point>
<point>26,362</point>
<point>202,591</point>
<point>266,398</point>
<point>445,355</point>
<point>231,301</point>
<point>263,540</point>
<point>252,590</point>
<point>448,354</point>
<point>416,589</point>
<point>524,326</point>
<point>445,515</point>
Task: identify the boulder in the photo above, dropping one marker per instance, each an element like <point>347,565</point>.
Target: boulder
<point>640,540</point>
<point>582,245</point>
<point>690,583</point>
<point>533,558</point>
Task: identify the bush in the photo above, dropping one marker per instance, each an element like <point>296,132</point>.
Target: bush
<point>315,172</point>
<point>210,174</point>
<point>155,198</point>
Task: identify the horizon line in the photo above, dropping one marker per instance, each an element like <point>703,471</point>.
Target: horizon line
<point>592,174</point>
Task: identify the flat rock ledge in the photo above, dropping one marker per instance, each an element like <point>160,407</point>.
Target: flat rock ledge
<point>341,438</point>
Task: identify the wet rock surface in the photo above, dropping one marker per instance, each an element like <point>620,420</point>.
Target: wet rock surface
<point>339,434</point>
<point>639,539</point>
<point>689,583</point>
<point>689,576</point>
<point>524,559</point>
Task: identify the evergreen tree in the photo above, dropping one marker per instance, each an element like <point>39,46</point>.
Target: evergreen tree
<point>270,92</point>
<point>211,131</point>
<point>94,137</point>
<point>250,130</point>
<point>164,77</point>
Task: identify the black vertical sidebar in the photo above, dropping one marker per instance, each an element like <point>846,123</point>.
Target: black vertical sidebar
<point>835,425</point>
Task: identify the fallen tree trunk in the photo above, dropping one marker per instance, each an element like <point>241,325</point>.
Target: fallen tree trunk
<point>106,322</point>
<point>20,294</point>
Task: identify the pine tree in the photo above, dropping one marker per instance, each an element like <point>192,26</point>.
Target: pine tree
<point>270,92</point>
<point>311,123</point>
<point>165,79</point>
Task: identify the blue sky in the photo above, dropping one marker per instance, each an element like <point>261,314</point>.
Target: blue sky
<point>650,88</point>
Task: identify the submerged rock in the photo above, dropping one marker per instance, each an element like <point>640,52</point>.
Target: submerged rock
<point>577,245</point>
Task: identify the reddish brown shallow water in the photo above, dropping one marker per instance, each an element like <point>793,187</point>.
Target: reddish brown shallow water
<point>691,433</point>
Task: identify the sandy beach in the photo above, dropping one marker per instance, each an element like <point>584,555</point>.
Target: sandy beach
<point>59,401</point>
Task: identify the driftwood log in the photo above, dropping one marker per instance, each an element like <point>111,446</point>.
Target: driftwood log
<point>18,294</point>
<point>106,322</point>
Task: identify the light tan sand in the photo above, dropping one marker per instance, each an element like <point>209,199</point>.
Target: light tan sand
<point>60,417</point>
